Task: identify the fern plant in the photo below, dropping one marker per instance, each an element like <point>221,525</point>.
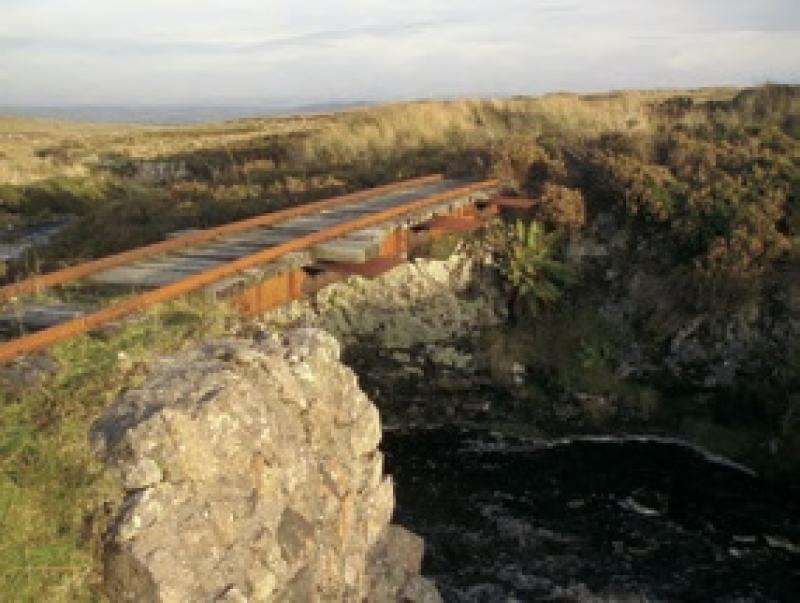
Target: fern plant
<point>535,275</point>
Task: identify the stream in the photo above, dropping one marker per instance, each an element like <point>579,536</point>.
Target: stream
<point>591,519</point>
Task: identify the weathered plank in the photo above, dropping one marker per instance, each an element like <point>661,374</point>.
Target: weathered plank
<point>343,250</point>
<point>418,217</point>
<point>260,236</point>
<point>137,278</point>
<point>154,273</point>
<point>33,317</point>
<point>177,234</point>
<point>177,262</point>
<point>221,252</point>
<point>308,224</point>
<point>376,233</point>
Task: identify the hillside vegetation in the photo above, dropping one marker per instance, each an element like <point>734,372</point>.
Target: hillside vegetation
<point>686,238</point>
<point>134,184</point>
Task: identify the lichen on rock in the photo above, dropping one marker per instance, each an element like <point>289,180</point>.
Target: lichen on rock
<point>252,473</point>
<point>420,302</point>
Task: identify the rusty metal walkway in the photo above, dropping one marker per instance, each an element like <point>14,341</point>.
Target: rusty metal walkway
<point>258,263</point>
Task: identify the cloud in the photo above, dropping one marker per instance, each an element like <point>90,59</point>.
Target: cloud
<point>333,35</point>
<point>227,44</point>
<point>169,51</point>
<point>748,51</point>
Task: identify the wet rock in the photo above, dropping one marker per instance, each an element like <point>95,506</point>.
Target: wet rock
<point>395,569</point>
<point>591,519</point>
<point>252,474</point>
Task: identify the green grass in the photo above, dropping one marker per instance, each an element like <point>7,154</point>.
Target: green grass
<point>53,491</point>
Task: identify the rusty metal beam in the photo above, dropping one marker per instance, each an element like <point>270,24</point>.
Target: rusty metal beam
<point>447,224</point>
<point>271,293</point>
<point>40,282</point>
<point>46,337</point>
<point>395,244</point>
<point>512,202</point>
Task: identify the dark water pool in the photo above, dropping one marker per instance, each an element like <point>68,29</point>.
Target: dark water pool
<point>631,519</point>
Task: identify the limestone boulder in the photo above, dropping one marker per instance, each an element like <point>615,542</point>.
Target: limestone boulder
<point>252,473</point>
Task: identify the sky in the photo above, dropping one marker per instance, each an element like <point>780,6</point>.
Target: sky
<point>244,51</point>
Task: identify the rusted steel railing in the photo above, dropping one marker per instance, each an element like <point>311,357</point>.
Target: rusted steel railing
<point>76,326</point>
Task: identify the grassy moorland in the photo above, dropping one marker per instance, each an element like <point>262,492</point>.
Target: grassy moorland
<point>133,184</point>
<point>706,183</point>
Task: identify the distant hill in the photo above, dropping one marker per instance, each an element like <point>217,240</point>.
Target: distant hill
<point>173,114</point>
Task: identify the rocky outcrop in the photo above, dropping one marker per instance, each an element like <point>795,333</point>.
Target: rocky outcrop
<point>420,302</point>
<point>252,473</point>
<point>422,322</point>
<point>669,339</point>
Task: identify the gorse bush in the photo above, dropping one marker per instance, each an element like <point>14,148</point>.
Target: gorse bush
<point>562,207</point>
<point>721,198</point>
<point>513,160</point>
